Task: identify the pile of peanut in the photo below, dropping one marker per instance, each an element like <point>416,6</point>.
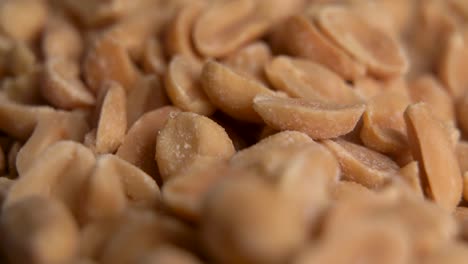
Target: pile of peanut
<point>234,131</point>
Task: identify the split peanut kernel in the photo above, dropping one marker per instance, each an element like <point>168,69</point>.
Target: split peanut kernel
<point>185,139</point>
<point>317,119</point>
<point>250,60</point>
<point>441,177</point>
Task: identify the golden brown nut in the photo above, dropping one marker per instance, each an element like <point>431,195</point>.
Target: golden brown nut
<point>148,94</point>
<point>305,79</point>
<point>60,171</point>
<point>185,139</point>
<point>112,124</point>
<point>375,48</point>
<point>231,92</point>
<point>22,19</point>
<point>299,36</point>
<point>183,86</point>
<point>244,220</point>
<point>225,26</point>
<point>139,144</point>
<point>62,87</point>
<point>361,164</point>
<point>411,175</point>
<point>317,119</point>
<point>51,128</point>
<point>39,230</point>
<point>250,60</point>
<point>108,60</point>
<point>431,147</point>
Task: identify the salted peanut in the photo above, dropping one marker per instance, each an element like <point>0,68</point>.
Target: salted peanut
<point>461,150</point>
<point>39,230</point>
<point>138,234</point>
<point>184,193</point>
<point>376,49</point>
<point>250,60</point>
<point>134,30</point>
<point>169,254</point>
<point>114,185</point>
<point>255,215</point>
<point>455,252</point>
<point>112,123</point>
<point>139,144</point>
<point>461,215</point>
<point>50,129</point>
<point>428,89</point>
<point>12,154</point>
<point>178,39</point>
<point>153,57</point>
<point>61,39</point>
<point>183,86</point>
<point>432,148</point>
<point>19,120</point>
<point>62,87</point>
<point>306,79</point>
<point>452,63</point>
<point>411,175</point>
<point>461,108</point>
<point>185,139</point>
<point>147,95</point>
<point>373,242</point>
<point>300,37</point>
<point>60,171</point>
<point>223,27</point>
<point>317,119</point>
<point>22,19</point>
<point>107,60</point>
<point>22,60</point>
<point>384,128</point>
<point>230,91</point>
<point>362,165</point>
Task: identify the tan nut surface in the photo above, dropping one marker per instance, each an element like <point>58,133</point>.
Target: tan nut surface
<point>318,120</point>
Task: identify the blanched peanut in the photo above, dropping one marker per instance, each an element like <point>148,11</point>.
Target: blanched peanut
<point>148,94</point>
<point>305,79</point>
<point>139,144</point>
<point>462,108</point>
<point>225,26</point>
<point>179,32</point>
<point>374,242</point>
<point>317,119</point>
<point>427,89</point>
<point>375,48</point>
<point>411,175</point>
<point>185,139</point>
<point>453,63</point>
<point>61,39</point>
<point>250,60</point>
<point>108,60</point>
<point>461,150</point>
<point>299,36</point>
<point>230,91</point>
<point>107,196</point>
<point>183,86</point>
<point>51,128</point>
<point>112,123</point>
<point>153,58</point>
<point>431,147</point>
<point>244,221</point>
<point>60,171</point>
<point>39,230</point>
<point>169,254</point>
<point>22,19</point>
<point>361,164</point>
<point>384,127</point>
<point>184,193</point>
<point>62,87</point>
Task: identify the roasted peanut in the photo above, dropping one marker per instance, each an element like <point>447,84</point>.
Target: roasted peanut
<point>250,60</point>
<point>22,19</point>
<point>61,39</point>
